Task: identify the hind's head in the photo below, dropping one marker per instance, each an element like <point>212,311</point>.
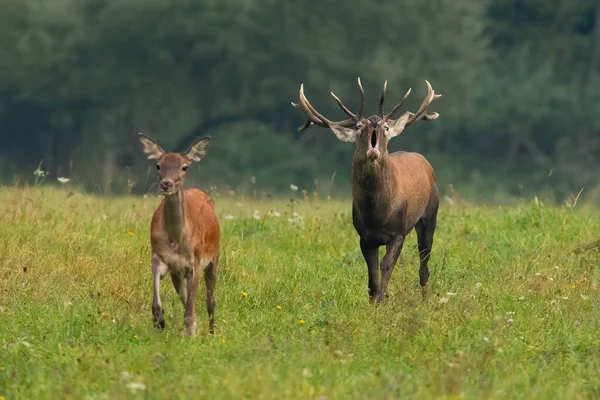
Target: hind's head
<point>171,167</point>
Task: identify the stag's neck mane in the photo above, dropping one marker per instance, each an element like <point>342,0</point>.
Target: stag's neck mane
<point>174,216</point>
<point>372,181</point>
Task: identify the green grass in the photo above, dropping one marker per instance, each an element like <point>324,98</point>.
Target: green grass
<point>75,305</point>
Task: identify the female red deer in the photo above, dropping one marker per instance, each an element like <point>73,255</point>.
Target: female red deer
<point>184,235</point>
<point>391,193</point>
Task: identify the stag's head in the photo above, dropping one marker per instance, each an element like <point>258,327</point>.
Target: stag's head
<point>372,134</point>
<point>171,167</point>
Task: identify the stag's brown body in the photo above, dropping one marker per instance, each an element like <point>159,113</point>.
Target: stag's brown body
<point>184,234</point>
<point>392,193</point>
<point>392,200</point>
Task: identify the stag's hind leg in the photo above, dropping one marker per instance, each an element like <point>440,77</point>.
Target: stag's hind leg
<point>159,270</point>
<point>425,229</point>
<point>210,278</point>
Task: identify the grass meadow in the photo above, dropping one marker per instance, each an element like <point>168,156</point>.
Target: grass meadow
<point>512,310</point>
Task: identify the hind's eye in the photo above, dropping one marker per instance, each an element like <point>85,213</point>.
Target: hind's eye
<point>184,167</point>
<point>157,166</point>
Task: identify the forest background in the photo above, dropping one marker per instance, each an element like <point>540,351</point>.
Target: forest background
<point>519,78</point>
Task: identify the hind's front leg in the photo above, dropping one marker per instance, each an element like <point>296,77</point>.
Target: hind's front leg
<point>159,270</point>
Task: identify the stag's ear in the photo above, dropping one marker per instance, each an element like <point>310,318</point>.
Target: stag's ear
<point>343,133</point>
<point>198,150</point>
<point>396,126</point>
<point>151,148</point>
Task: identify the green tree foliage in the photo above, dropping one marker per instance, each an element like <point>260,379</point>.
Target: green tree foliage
<point>78,79</point>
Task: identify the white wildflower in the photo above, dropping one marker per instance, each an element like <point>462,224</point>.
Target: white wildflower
<point>478,284</point>
<point>522,298</point>
<point>538,274</point>
<point>556,267</point>
<point>451,293</point>
<point>584,297</point>
<point>486,339</point>
<point>274,213</point>
<point>509,321</point>
<point>443,300</point>
<point>126,374</point>
<point>229,217</point>
<point>293,187</point>
<point>566,298</point>
<point>449,200</point>
<point>39,173</point>
<point>256,215</point>
<point>553,302</point>
<point>133,386</point>
<point>62,180</point>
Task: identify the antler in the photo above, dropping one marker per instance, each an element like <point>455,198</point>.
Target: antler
<point>421,113</point>
<point>314,117</point>
<point>382,99</point>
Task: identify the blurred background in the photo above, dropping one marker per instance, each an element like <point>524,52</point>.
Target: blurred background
<point>520,81</point>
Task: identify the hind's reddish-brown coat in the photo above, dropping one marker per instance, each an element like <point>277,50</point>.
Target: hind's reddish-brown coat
<point>202,229</point>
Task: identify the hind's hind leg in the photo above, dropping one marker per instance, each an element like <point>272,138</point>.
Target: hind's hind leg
<point>210,278</point>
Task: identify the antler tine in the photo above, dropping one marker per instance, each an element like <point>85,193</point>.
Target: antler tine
<point>304,101</point>
<point>382,99</point>
<point>314,117</point>
<point>362,100</point>
<point>422,112</point>
<point>344,108</point>
<point>397,106</point>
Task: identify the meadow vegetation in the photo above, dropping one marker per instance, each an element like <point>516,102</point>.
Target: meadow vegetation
<point>511,310</point>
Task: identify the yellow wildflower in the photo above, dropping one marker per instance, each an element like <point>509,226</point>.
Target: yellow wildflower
<point>278,307</point>
<point>302,322</point>
<point>244,294</point>
<point>410,357</point>
<point>130,233</point>
<point>572,286</point>
<point>135,337</point>
<point>305,306</point>
<point>223,340</point>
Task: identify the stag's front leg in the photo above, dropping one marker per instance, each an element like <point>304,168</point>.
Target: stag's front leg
<point>371,255</point>
<point>159,270</point>
<point>388,262</point>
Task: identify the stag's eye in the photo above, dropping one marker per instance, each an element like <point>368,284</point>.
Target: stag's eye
<point>358,126</point>
<point>157,166</point>
<point>387,128</point>
<point>184,168</point>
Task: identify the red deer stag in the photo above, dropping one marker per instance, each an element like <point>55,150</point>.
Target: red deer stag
<point>391,192</point>
<point>184,235</point>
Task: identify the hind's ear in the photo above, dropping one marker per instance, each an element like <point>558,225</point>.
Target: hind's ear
<point>198,150</point>
<point>150,147</point>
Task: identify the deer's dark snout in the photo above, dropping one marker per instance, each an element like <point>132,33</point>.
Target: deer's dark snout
<point>166,185</point>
